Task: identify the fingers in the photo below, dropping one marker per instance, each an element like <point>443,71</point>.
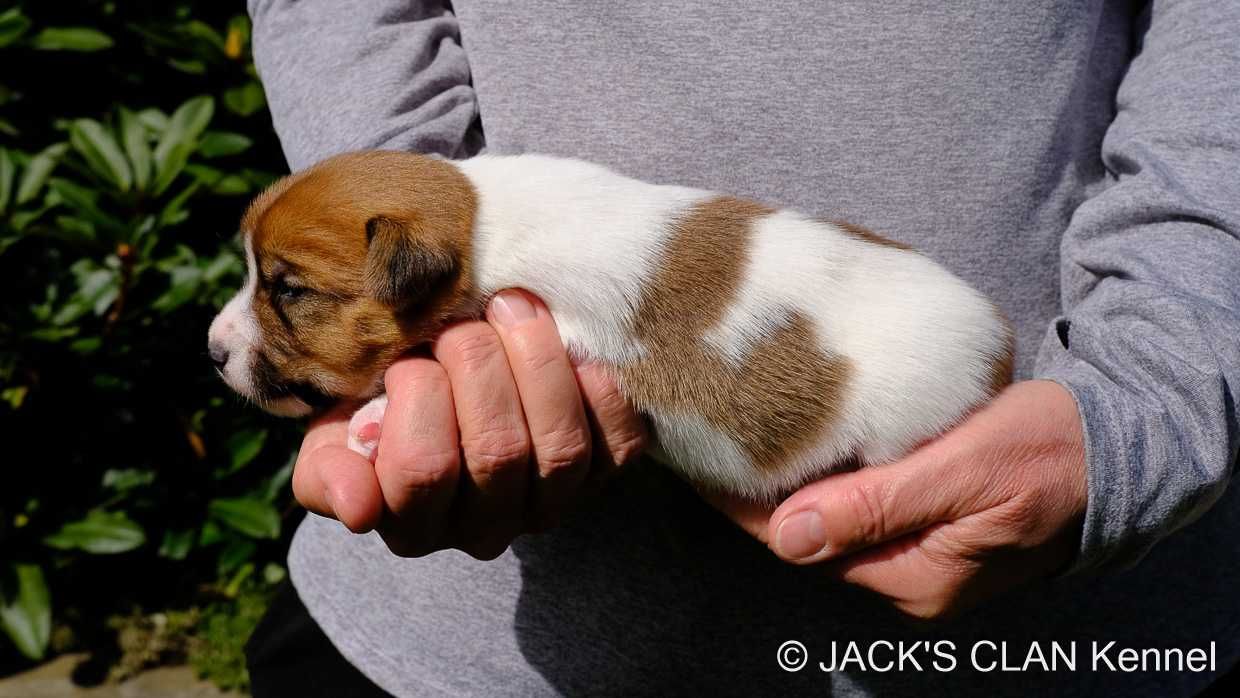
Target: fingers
<point>503,400</point>
<point>620,433</point>
<point>753,517</point>
<point>331,480</point>
<point>419,456</point>
<point>554,412</point>
<point>850,511</point>
<point>491,500</point>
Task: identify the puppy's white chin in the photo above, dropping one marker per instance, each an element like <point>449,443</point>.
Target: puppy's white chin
<point>288,407</point>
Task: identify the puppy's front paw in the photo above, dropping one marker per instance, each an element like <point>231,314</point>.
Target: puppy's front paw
<point>365,425</point>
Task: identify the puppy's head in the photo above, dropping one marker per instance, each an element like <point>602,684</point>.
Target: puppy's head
<point>350,263</point>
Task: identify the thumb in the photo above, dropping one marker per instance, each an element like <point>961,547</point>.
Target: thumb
<point>852,511</point>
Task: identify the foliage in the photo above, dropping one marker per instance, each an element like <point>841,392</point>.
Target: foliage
<point>217,641</point>
<point>131,136</point>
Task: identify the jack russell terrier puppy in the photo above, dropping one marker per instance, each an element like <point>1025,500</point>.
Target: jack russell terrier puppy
<point>766,348</point>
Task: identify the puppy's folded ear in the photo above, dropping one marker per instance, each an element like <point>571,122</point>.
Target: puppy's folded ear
<point>402,265</point>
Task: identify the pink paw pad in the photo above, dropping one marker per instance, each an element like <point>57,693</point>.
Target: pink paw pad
<point>369,433</point>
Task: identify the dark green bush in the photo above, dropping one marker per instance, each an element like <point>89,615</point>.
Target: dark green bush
<point>131,136</point>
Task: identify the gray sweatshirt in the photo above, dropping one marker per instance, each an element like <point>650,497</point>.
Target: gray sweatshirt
<point>1078,160</point>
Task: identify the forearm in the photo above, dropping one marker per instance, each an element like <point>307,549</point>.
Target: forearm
<point>1147,343</point>
<point>350,74</point>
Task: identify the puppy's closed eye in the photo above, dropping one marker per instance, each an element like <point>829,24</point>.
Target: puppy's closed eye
<point>285,291</point>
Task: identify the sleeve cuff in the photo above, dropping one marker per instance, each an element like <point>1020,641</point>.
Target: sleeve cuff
<point>1143,480</point>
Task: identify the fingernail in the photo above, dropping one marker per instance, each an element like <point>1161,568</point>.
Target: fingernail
<point>511,309</point>
<point>800,536</point>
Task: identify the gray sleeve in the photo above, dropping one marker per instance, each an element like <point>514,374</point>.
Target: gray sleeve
<point>349,74</point>
<point>1149,339</point>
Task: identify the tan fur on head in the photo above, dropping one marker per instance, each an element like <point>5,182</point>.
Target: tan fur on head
<point>359,258</point>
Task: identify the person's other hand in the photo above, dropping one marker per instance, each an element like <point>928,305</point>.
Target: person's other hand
<point>499,434</point>
<point>995,502</point>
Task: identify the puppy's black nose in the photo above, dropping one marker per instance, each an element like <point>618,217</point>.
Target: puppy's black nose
<point>219,355</point>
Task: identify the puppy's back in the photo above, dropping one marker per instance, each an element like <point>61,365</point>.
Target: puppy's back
<point>766,347</point>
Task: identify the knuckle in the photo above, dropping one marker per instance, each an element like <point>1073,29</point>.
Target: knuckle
<point>476,348</point>
<point>627,447</point>
<point>607,397</point>
<point>562,449</point>
<point>414,377</point>
<point>534,359</point>
<point>864,505</point>
<point>495,449</point>
<point>418,470</point>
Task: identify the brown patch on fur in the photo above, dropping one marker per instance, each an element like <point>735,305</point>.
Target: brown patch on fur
<point>310,230</point>
<point>866,235</point>
<point>783,392</point>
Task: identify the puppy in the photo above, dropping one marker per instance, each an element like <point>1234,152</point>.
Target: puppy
<point>765,347</point>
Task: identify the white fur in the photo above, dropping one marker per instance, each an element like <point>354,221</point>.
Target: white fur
<point>582,238</point>
<point>236,329</point>
<point>586,240</point>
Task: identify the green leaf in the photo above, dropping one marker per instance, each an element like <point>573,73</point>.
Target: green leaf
<point>8,172</point>
<point>90,345</point>
<point>192,66</point>
<point>137,147</point>
<point>38,170</point>
<point>246,99</point>
<point>127,479</point>
<point>173,211</point>
<point>71,39</point>
<point>225,263</point>
<point>14,396</point>
<point>277,485</point>
<point>243,447</point>
<point>12,25</point>
<point>101,151</point>
<point>274,574</point>
<point>231,185</point>
<point>177,544</point>
<point>179,139</point>
<point>26,611</point>
<point>201,30</point>
<point>236,556</point>
<point>83,201</point>
<point>100,532</point>
<point>219,143</point>
<point>210,534</point>
<point>52,334</point>
<point>154,119</point>
<point>183,285</point>
<point>97,287</point>
<point>252,517</point>
<point>74,229</point>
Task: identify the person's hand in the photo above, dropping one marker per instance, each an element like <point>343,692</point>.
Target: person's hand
<point>497,435</point>
<point>995,502</point>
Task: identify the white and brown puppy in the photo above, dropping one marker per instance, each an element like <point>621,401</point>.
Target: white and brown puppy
<point>766,347</point>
